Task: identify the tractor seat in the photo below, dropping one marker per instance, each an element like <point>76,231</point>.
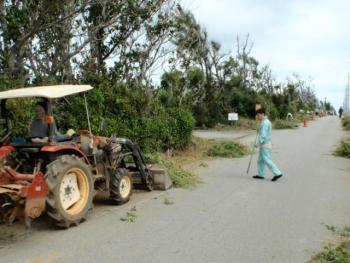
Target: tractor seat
<point>29,147</point>
<point>29,150</point>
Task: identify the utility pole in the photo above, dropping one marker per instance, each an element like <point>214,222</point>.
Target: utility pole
<point>347,94</point>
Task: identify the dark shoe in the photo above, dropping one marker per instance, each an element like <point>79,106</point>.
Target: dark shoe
<point>276,177</point>
<point>258,177</point>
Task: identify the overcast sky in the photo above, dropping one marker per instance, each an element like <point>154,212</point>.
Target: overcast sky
<point>308,37</point>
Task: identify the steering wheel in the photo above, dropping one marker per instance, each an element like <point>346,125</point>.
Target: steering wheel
<point>7,135</point>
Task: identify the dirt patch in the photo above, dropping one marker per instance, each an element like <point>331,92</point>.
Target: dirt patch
<point>11,234</point>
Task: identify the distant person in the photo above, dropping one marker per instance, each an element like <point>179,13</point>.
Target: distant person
<point>265,146</point>
<point>340,111</point>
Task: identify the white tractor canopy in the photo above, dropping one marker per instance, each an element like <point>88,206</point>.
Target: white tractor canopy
<point>49,92</point>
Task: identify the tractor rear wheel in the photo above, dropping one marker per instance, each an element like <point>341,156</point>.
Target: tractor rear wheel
<point>71,190</point>
<point>121,186</point>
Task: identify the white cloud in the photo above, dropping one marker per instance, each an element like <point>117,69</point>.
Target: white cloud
<point>310,38</point>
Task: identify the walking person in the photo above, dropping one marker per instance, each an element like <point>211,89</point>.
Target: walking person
<point>340,111</point>
<point>265,148</point>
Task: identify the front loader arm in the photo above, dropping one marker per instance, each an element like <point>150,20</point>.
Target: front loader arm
<point>139,160</point>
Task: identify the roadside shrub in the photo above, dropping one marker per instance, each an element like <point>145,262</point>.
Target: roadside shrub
<point>228,150</point>
<point>284,124</point>
<point>241,124</point>
<point>20,115</point>
<point>272,111</point>
<point>300,117</point>
<point>132,113</point>
<point>181,124</point>
<point>247,124</point>
<point>337,251</point>
<point>346,122</point>
<point>343,149</point>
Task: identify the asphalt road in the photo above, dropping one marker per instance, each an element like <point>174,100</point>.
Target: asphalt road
<point>229,218</point>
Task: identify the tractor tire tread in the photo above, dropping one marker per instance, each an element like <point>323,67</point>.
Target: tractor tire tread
<point>53,172</point>
<point>114,188</point>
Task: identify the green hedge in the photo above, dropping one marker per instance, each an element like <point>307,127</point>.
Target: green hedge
<point>130,113</point>
<point>119,109</point>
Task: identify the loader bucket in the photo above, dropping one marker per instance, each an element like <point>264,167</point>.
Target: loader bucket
<point>161,179</point>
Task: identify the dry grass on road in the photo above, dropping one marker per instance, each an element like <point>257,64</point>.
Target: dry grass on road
<point>202,150</point>
<point>181,163</point>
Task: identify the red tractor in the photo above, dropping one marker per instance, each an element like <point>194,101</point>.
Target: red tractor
<point>59,174</point>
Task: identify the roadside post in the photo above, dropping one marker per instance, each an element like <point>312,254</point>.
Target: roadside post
<point>233,116</point>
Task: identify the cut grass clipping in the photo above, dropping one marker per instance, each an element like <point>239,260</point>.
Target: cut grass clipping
<point>337,251</point>
<point>283,124</point>
<point>130,216</point>
<point>179,177</point>
<point>168,201</point>
<point>228,150</point>
<point>343,149</point>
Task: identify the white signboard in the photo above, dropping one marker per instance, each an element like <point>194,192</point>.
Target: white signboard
<point>233,116</point>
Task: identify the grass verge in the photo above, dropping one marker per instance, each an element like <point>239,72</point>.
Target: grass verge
<point>338,251</point>
<point>346,122</point>
<point>241,124</point>
<point>284,124</point>
<point>343,150</point>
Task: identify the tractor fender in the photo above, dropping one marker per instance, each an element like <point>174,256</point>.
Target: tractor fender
<point>65,149</point>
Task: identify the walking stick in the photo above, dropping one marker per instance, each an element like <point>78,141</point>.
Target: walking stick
<point>251,155</point>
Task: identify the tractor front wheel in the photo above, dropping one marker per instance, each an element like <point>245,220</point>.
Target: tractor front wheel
<point>70,190</point>
<point>121,186</point>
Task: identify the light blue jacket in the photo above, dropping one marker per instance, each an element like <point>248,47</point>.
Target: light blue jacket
<point>265,130</point>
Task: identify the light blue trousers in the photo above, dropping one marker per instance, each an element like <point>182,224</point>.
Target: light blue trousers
<point>265,159</point>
